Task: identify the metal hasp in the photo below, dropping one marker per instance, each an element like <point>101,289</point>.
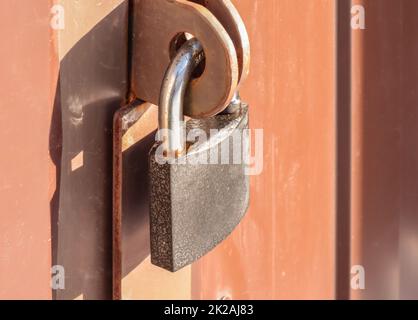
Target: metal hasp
<point>159,24</point>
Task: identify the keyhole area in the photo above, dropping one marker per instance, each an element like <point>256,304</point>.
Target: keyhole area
<point>176,43</point>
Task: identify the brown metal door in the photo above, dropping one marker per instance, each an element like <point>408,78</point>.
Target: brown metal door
<point>338,189</point>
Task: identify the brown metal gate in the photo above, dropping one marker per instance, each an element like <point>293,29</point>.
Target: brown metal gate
<point>339,185</point>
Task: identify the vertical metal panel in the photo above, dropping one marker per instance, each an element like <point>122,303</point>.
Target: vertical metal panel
<point>384,153</point>
<point>28,66</point>
<point>285,247</point>
<point>343,108</point>
<point>408,254</point>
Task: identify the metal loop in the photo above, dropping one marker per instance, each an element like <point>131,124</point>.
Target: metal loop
<point>173,89</point>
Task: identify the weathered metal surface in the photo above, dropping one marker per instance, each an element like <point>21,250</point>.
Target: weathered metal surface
<point>384,150</point>
<point>285,246</point>
<point>375,184</point>
<point>156,24</point>
<point>29,139</point>
<point>124,119</point>
<point>196,206</point>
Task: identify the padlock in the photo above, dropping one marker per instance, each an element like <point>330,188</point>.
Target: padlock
<point>199,191</point>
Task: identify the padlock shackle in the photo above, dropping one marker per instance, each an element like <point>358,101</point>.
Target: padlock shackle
<point>176,80</point>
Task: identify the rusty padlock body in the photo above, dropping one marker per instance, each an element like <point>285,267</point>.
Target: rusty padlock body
<point>196,206</point>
